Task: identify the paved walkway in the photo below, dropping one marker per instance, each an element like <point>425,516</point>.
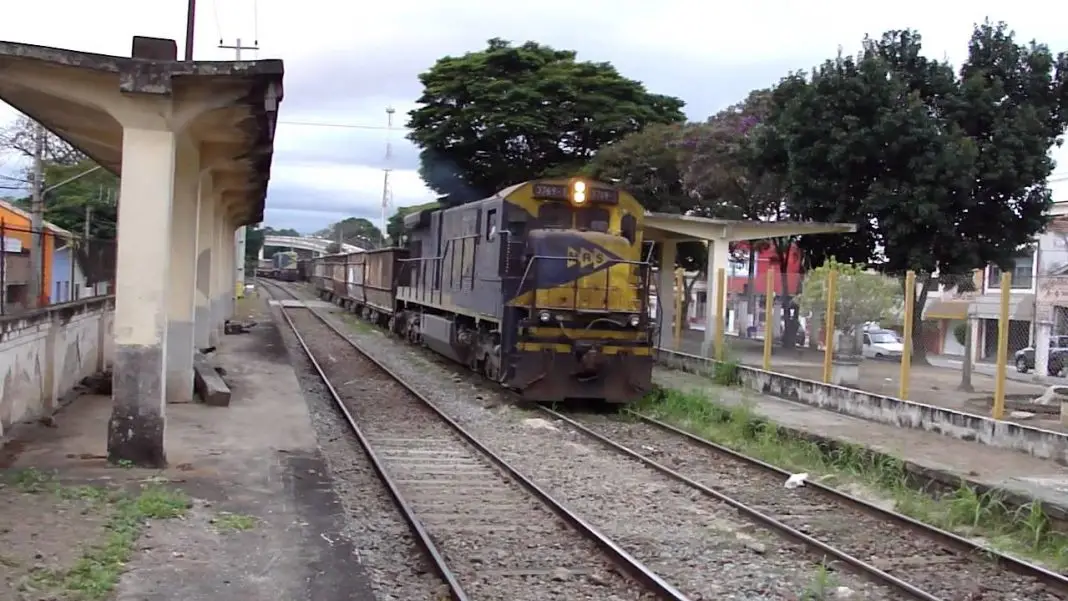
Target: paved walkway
<point>256,458</point>
<point>1010,470</point>
<point>935,384</point>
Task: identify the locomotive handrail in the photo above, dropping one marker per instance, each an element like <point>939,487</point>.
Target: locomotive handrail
<point>612,263</point>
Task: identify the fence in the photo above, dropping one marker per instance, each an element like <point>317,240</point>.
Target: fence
<point>969,348</point>
<point>72,268</point>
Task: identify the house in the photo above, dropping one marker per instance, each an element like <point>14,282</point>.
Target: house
<point>1039,287</point>
<point>62,279</point>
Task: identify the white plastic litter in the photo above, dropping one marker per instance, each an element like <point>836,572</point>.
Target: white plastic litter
<point>796,480</point>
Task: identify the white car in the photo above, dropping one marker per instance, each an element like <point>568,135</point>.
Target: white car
<point>882,344</point>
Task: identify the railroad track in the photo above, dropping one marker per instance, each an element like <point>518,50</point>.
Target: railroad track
<point>920,561</point>
<point>909,558</point>
<point>489,532</point>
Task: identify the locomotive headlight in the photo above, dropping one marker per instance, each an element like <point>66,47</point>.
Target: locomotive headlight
<point>544,317</point>
<point>578,192</point>
<point>634,321</point>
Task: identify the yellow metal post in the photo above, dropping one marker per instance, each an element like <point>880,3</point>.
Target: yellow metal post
<point>828,324</point>
<point>769,305</point>
<point>1003,347</point>
<point>680,291</point>
<point>721,307</point>
<point>906,352</point>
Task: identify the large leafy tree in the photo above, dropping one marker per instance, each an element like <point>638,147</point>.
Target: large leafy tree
<point>353,230</point>
<point>942,172</point>
<point>395,225</point>
<point>507,114</point>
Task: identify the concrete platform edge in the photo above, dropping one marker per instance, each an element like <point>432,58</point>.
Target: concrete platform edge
<point>1043,444</point>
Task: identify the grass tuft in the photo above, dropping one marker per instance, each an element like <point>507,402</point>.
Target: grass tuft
<point>235,522</point>
<point>94,575</point>
<point>1025,531</point>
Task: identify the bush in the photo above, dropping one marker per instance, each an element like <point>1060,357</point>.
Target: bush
<point>959,332</point>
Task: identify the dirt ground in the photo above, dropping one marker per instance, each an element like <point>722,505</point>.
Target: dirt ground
<point>41,532</point>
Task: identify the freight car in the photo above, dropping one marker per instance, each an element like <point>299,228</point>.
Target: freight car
<point>540,287</point>
<point>362,282</point>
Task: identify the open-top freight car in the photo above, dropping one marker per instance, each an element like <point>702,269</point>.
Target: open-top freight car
<point>363,282</point>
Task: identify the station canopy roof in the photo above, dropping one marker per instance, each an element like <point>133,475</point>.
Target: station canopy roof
<point>685,228</point>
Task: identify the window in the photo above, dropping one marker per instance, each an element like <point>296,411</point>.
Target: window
<point>1023,273</point>
<point>554,215</point>
<point>593,219</point>
<point>491,224</point>
<point>629,227</point>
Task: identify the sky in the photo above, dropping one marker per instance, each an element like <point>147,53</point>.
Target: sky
<point>346,62</point>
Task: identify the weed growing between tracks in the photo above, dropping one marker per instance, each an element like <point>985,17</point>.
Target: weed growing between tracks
<point>95,571</point>
<point>1024,531</point>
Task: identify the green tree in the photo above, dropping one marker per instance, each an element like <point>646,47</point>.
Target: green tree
<point>395,225</point>
<point>92,195</point>
<point>353,230</point>
<point>861,296</point>
<point>507,114</point>
<point>941,173</point>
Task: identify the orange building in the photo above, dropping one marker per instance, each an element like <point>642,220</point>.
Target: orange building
<point>17,240</point>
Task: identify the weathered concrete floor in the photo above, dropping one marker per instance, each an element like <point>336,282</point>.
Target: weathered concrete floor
<point>1001,468</point>
<point>258,457</point>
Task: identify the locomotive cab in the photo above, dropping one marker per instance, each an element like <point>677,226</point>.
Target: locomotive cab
<point>583,329</point>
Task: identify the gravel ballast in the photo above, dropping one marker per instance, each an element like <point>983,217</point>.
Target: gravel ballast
<point>923,562</point>
<point>397,568</point>
<point>499,540</point>
<point>701,546</point>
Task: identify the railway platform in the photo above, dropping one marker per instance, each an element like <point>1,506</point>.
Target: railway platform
<point>257,459</point>
<point>941,458</point>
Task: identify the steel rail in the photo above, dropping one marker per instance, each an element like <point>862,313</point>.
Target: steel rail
<point>858,564</point>
<point>456,592</point>
<point>1024,568</point>
<point>634,568</point>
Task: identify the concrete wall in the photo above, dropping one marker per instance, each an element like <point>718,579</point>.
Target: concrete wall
<point>45,353</point>
<point>1044,444</point>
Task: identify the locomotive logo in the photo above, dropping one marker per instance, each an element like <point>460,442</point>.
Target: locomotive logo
<point>564,258</point>
<point>585,258</point>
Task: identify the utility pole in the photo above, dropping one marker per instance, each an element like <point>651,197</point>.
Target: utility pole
<point>241,231</point>
<point>36,296</point>
<point>387,193</point>
<point>190,25</point>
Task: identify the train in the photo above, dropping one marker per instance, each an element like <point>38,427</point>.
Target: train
<point>541,287</point>
<point>284,266</point>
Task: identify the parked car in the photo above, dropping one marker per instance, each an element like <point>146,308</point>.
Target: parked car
<point>1058,353</point>
<point>882,344</point>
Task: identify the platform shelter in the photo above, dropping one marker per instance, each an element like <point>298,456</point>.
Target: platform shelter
<point>668,230</point>
<point>193,143</point>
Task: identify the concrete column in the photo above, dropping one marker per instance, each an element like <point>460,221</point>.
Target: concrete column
<point>218,272</point>
<point>665,293</point>
<point>181,297</point>
<point>206,226</point>
<point>239,261</point>
<point>1044,328</point>
<point>135,430</point>
<point>718,257</point>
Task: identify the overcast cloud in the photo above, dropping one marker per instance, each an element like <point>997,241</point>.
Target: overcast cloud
<point>346,61</point>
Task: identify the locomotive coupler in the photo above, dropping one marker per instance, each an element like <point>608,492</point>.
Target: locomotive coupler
<point>589,357</point>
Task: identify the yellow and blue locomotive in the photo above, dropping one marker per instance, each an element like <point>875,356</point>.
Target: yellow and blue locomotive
<point>540,287</point>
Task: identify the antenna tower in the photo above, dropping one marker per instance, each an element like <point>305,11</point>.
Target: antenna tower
<point>387,191</point>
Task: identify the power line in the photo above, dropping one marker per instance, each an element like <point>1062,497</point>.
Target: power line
<point>342,125</point>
